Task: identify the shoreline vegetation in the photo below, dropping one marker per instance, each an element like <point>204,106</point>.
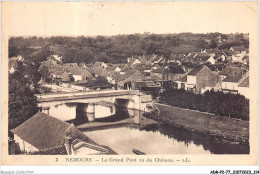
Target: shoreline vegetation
<point>217,103</point>
<point>230,129</point>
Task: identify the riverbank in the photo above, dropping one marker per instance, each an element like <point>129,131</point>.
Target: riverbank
<point>98,125</point>
<point>223,127</point>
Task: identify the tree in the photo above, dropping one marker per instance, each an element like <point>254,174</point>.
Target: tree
<point>22,103</point>
<point>44,71</point>
<point>213,44</point>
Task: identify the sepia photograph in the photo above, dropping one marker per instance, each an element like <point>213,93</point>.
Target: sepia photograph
<point>129,78</point>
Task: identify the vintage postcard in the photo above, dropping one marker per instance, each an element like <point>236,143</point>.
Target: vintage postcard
<point>129,83</point>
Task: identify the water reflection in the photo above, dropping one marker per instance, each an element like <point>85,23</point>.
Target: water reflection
<point>208,142</point>
<point>144,134</point>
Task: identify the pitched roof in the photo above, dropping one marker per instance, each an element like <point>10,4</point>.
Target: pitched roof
<point>157,58</point>
<point>45,132</point>
<point>192,54</point>
<point>244,83</point>
<point>215,67</point>
<point>98,64</point>
<point>132,61</point>
<point>128,74</point>
<point>245,57</point>
<point>80,71</point>
<point>125,69</point>
<point>188,64</point>
<point>112,68</point>
<point>115,76</point>
<point>100,71</point>
<point>227,53</point>
<point>203,57</point>
<point>195,70</point>
<point>176,69</point>
<point>233,78</point>
<point>229,70</point>
<point>239,49</point>
<point>152,58</point>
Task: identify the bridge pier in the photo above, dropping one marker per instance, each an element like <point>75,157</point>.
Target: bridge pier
<point>91,112</point>
<point>86,111</point>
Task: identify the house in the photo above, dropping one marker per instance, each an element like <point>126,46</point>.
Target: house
<point>113,68</point>
<point>147,71</point>
<point>211,52</point>
<point>57,57</point>
<point>192,55</point>
<point>229,69</point>
<point>100,72</point>
<point>160,60</point>
<point>112,78</point>
<point>140,67</point>
<point>80,74</point>
<point>182,83</point>
<point>99,65</point>
<point>238,57</point>
<point>125,69</point>
<point>157,74</point>
<point>42,132</point>
<point>174,72</point>
<point>133,61</point>
<point>204,58</point>
<point>131,77</point>
<point>12,70</point>
<point>199,78</point>
<point>231,82</point>
<point>243,86</point>
<point>187,66</point>
<point>56,74</point>
<point>216,67</point>
<point>245,59</point>
<point>151,58</point>
<point>239,50</point>
<point>174,58</point>
<point>142,59</point>
<point>228,53</point>
<point>66,77</point>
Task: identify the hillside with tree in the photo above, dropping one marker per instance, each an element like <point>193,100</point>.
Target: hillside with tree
<point>116,49</point>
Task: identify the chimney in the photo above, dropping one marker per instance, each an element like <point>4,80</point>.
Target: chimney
<point>68,144</point>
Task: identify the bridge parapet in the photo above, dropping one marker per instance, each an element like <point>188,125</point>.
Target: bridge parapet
<point>131,99</point>
<point>80,95</point>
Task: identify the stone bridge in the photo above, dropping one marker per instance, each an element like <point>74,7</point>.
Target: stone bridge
<point>131,99</point>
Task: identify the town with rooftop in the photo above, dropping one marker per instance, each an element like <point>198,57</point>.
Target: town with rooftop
<point>182,83</point>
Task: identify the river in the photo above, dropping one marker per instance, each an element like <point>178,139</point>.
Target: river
<point>148,137</point>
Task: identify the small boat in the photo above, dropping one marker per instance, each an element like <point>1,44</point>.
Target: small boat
<point>136,151</point>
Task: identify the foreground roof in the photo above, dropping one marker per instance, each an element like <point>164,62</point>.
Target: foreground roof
<point>45,132</point>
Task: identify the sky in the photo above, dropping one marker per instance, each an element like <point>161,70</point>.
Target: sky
<point>112,18</point>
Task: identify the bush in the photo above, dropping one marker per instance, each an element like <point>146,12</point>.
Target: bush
<point>230,105</point>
